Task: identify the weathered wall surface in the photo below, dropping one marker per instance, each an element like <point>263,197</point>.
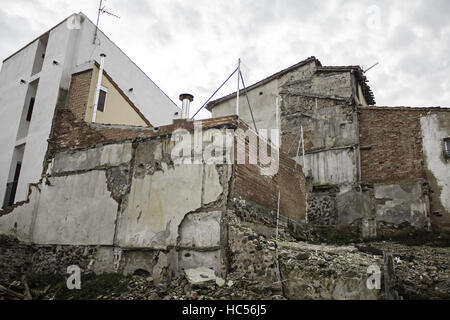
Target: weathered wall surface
<point>130,197</point>
<point>403,202</point>
<point>322,105</point>
<point>262,99</point>
<point>391,139</point>
<point>435,127</point>
<point>65,217</point>
<point>249,184</point>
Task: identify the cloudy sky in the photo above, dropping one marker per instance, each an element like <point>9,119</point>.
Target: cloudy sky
<point>193,45</point>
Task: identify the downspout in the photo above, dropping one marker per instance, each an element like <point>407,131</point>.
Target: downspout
<point>99,83</point>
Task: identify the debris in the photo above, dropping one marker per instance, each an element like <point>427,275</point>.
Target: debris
<point>220,282</point>
<point>200,276</point>
<point>11,293</point>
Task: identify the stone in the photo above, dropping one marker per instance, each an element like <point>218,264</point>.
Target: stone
<point>302,256</point>
<point>200,276</point>
<point>220,282</point>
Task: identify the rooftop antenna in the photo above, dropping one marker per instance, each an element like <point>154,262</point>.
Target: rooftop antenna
<point>371,67</point>
<point>102,10</point>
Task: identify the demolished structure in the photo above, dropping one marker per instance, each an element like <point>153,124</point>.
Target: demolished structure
<point>174,196</point>
<point>373,169</point>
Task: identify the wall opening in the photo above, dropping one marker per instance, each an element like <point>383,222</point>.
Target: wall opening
<point>447,148</point>
<point>27,112</point>
<point>40,54</point>
<point>14,174</point>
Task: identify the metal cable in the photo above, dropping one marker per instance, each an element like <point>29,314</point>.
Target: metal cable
<point>207,101</point>
<point>248,101</point>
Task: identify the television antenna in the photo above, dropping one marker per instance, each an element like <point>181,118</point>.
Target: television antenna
<point>102,10</point>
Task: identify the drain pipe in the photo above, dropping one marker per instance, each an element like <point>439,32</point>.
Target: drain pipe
<point>99,83</point>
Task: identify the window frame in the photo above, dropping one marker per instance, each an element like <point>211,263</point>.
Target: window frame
<point>105,90</point>
<point>447,148</point>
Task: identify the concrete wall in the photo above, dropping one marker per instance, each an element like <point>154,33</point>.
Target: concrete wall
<point>435,127</point>
<point>133,196</point>
<point>59,48</point>
<point>402,202</point>
<point>12,100</point>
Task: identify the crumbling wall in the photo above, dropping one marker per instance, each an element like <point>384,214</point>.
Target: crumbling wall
<point>403,202</point>
<point>392,159</point>
<point>139,207</point>
<point>249,184</point>
<point>391,144</point>
<point>435,126</point>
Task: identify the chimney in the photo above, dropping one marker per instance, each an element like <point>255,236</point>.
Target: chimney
<point>186,98</point>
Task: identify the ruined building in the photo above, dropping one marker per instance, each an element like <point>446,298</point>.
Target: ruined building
<point>371,168</point>
<point>104,186</point>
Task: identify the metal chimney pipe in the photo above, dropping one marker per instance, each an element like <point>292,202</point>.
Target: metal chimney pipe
<point>99,83</point>
<point>186,98</point>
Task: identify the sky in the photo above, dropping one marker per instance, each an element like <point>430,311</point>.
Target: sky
<point>192,46</point>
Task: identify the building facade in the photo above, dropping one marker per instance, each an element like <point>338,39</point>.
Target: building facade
<point>371,168</point>
<point>35,80</point>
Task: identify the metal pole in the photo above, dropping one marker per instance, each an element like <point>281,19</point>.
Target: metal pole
<point>99,83</point>
<point>98,19</point>
<point>303,149</point>
<point>277,121</point>
<point>278,218</point>
<point>238,84</point>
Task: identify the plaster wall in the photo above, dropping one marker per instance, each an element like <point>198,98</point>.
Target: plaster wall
<point>435,127</point>
<point>12,97</point>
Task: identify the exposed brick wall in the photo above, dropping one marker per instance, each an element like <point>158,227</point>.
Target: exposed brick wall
<point>396,145</point>
<point>262,190</point>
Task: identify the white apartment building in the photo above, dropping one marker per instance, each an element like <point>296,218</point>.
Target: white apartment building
<point>30,83</point>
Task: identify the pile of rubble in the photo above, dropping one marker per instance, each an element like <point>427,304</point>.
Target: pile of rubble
<point>264,267</point>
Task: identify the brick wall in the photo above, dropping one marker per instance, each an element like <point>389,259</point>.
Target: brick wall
<point>395,141</point>
<point>262,190</point>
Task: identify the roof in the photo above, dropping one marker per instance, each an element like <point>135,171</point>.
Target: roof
<point>404,108</point>
<point>356,70</point>
<point>266,80</point>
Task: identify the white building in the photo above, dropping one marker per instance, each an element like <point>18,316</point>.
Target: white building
<point>30,82</point>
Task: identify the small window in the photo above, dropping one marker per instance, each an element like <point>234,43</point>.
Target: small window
<point>447,148</point>
<point>102,99</point>
<point>30,110</point>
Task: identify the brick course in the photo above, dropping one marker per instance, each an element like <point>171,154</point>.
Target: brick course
<point>395,141</point>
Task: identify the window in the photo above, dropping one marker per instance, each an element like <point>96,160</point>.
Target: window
<point>447,148</point>
<point>102,99</point>
<point>30,110</point>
